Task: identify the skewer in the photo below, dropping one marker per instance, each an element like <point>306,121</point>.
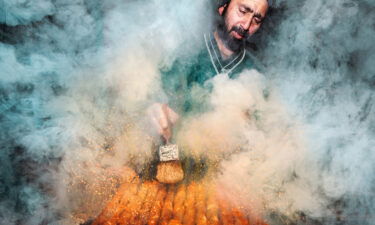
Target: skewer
<point>135,209</point>
<point>200,205</point>
<point>189,204</point>
<point>148,203</point>
<point>225,215</point>
<point>212,208</point>
<point>167,211</point>
<point>157,207</point>
<point>118,203</point>
<point>178,203</point>
<point>239,217</point>
<point>126,215</point>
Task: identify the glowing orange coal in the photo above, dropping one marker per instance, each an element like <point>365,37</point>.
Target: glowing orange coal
<point>149,202</point>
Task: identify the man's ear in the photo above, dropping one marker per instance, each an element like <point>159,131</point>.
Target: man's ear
<point>221,9</point>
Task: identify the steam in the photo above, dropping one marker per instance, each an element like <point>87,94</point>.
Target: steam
<point>260,146</point>
<point>77,76</point>
<point>317,55</point>
<point>76,79</point>
<point>22,12</point>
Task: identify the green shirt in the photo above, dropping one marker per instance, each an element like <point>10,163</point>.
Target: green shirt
<point>186,82</point>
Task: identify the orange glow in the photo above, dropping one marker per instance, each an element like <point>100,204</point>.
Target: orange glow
<point>150,202</point>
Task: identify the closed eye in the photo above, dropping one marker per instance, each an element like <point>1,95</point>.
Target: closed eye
<point>244,9</point>
<point>257,20</point>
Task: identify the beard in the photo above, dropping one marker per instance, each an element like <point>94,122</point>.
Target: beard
<point>229,41</point>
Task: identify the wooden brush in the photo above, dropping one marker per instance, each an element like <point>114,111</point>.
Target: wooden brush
<point>169,170</point>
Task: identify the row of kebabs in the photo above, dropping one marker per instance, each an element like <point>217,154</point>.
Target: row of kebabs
<point>150,202</point>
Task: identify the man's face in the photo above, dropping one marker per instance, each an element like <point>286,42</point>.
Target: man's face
<point>241,19</point>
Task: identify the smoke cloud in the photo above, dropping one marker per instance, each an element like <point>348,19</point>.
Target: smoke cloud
<point>295,141</point>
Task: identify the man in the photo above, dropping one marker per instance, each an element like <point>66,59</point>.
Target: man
<point>224,52</point>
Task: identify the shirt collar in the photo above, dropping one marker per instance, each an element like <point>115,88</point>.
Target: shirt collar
<point>220,65</point>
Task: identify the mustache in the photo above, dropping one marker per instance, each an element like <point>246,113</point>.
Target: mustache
<point>244,33</point>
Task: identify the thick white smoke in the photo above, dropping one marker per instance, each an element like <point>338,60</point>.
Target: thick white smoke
<point>318,54</point>
<point>77,76</point>
<point>24,12</point>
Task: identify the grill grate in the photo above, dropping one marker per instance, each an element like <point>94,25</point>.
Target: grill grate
<point>150,202</point>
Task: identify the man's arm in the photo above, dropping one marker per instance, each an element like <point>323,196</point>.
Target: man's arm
<point>163,118</point>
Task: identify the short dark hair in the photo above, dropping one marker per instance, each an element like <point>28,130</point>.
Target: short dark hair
<point>221,3</point>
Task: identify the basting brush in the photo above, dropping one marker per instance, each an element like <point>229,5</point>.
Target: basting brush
<point>169,169</point>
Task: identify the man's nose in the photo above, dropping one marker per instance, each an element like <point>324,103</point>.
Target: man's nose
<point>246,24</point>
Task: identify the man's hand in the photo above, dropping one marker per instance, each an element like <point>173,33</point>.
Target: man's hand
<point>163,118</point>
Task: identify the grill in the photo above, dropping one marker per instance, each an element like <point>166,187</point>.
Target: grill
<point>140,202</point>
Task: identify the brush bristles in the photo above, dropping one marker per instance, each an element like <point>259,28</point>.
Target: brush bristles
<point>169,172</point>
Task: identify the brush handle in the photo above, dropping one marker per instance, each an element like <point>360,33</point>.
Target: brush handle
<point>167,129</point>
<point>168,151</point>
